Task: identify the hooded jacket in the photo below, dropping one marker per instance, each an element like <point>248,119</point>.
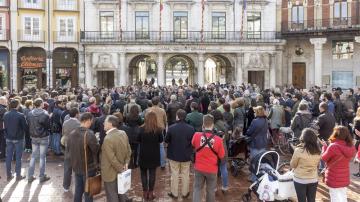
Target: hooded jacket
<point>337,157</point>
<point>39,123</point>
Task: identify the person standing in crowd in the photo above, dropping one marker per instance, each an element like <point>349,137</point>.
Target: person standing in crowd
<point>178,138</point>
<point>98,125</point>
<point>337,156</point>
<point>338,108</point>
<point>276,117</point>
<point>195,118</point>
<point>162,122</point>
<point>228,116</point>
<point>305,161</point>
<point>118,105</point>
<point>210,150</point>
<point>127,107</point>
<point>3,110</point>
<point>28,108</point>
<point>55,123</point>
<point>301,120</point>
<point>68,126</point>
<point>15,130</point>
<point>257,131</point>
<point>348,109</point>
<point>325,122</point>
<point>133,121</point>
<point>75,149</point>
<point>356,131</point>
<point>296,102</point>
<point>115,156</point>
<point>171,110</point>
<point>329,102</point>
<point>39,125</point>
<point>239,115</point>
<point>150,138</point>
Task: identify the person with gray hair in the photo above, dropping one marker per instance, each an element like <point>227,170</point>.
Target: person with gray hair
<point>301,120</point>
<point>172,108</point>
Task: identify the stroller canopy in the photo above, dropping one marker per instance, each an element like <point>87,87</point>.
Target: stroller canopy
<point>271,158</point>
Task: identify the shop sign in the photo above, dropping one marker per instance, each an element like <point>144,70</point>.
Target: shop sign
<point>32,62</point>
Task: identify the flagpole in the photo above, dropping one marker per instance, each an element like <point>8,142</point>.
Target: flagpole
<point>202,19</point>
<point>120,26</point>
<point>160,26</point>
<point>242,19</point>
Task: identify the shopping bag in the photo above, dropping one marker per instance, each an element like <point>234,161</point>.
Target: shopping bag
<point>267,188</point>
<point>124,181</point>
<point>286,186</point>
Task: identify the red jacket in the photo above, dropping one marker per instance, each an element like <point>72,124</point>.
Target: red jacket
<point>205,160</point>
<point>337,157</point>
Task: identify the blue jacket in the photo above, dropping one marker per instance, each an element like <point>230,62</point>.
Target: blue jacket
<point>15,125</point>
<point>179,138</point>
<point>258,132</point>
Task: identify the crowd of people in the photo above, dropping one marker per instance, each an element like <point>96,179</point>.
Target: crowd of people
<point>147,127</point>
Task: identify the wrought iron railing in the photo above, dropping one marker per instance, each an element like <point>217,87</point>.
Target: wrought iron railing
<point>66,5</point>
<point>31,5</point>
<point>179,37</point>
<point>65,37</point>
<point>343,23</point>
<point>31,35</point>
<point>4,35</point>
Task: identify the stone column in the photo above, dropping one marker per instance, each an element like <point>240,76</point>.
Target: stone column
<point>123,74</point>
<point>49,69</point>
<point>88,70</point>
<point>239,69</point>
<point>318,57</point>
<point>13,71</point>
<point>161,70</point>
<point>200,69</point>
<point>272,70</point>
<point>80,70</point>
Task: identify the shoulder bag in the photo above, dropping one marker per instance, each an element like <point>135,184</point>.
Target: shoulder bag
<point>92,184</point>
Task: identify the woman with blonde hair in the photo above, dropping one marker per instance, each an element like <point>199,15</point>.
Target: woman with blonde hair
<point>150,137</point>
<point>337,156</point>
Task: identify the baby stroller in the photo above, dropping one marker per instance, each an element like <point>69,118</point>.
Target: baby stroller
<point>269,185</point>
<point>236,147</point>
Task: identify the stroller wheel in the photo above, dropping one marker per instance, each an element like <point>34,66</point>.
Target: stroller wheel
<point>246,197</point>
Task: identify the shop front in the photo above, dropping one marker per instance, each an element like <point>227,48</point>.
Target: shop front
<point>4,67</point>
<point>65,68</point>
<point>31,68</point>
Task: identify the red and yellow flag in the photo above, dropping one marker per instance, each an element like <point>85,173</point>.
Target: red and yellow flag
<point>161,5</point>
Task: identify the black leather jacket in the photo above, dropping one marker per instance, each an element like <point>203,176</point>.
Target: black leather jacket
<point>39,123</point>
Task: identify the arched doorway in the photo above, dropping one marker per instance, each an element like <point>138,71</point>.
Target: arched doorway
<point>141,68</point>
<point>4,67</point>
<point>218,68</point>
<point>31,67</point>
<point>65,68</point>
<point>179,70</point>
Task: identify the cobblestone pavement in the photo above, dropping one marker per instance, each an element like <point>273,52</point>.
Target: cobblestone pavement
<point>52,190</point>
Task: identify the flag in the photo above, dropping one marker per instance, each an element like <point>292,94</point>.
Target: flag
<point>244,4</point>
<point>161,5</point>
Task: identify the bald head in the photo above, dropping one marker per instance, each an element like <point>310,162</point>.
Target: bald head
<point>3,100</point>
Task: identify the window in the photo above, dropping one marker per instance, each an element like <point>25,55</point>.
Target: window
<point>31,28</point>
<point>2,26</point>
<point>32,4</point>
<point>342,79</point>
<point>340,13</point>
<point>297,14</point>
<point>343,49</point>
<point>142,25</point>
<point>66,29</point>
<point>218,25</point>
<point>107,24</point>
<point>66,4</point>
<point>254,25</point>
<point>3,3</point>
<point>180,25</point>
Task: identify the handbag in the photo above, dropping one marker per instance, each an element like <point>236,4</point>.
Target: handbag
<point>92,184</point>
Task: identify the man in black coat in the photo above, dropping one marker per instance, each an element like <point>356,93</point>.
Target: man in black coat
<point>326,122</point>
<point>15,129</point>
<point>179,138</point>
<point>3,110</point>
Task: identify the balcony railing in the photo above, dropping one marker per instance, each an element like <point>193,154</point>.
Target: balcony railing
<point>66,5</point>
<point>321,25</point>
<point>5,3</point>
<point>31,35</point>
<point>4,35</point>
<point>179,37</point>
<point>65,37</point>
<point>29,5</point>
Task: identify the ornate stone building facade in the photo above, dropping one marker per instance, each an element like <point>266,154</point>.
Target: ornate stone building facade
<point>181,41</point>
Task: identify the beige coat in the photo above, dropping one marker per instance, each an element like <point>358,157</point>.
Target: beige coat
<point>160,115</point>
<point>305,165</point>
<point>115,153</point>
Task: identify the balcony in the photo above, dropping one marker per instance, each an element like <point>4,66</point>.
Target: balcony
<point>166,37</point>
<point>65,37</point>
<point>5,4</point>
<point>61,5</point>
<point>321,26</point>
<point>23,4</point>
<point>4,35</point>
<point>31,35</point>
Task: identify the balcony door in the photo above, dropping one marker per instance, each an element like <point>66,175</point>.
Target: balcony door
<point>31,28</point>
<point>66,27</point>
<point>106,24</point>
<point>257,77</point>
<point>2,27</point>
<point>254,25</point>
<point>142,25</point>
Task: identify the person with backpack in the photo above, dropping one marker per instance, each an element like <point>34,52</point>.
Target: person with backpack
<point>301,120</point>
<point>209,151</point>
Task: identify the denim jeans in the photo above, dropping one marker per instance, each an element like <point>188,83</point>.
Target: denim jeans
<point>253,153</point>
<point>224,174</point>
<point>39,149</point>
<point>55,143</point>
<point>199,182</point>
<point>306,192</point>
<point>12,146</point>
<point>162,155</point>
<point>80,180</point>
